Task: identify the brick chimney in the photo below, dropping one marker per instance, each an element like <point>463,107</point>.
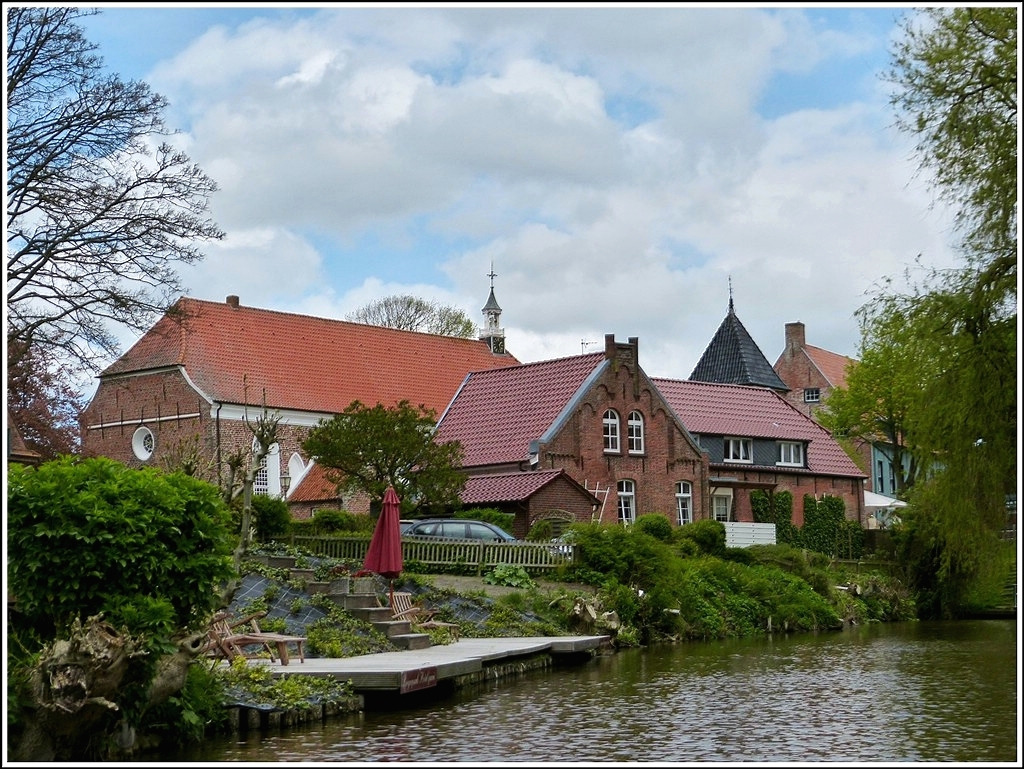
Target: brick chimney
<point>233,301</point>
<point>795,338</point>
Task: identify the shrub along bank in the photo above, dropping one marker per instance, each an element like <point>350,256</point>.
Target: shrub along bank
<point>663,584</point>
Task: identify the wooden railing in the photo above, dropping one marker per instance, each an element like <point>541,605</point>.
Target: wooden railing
<point>534,557</point>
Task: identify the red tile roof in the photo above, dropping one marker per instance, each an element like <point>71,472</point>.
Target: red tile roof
<point>496,414</point>
<point>832,365</point>
<point>238,354</point>
<point>314,486</point>
<point>512,487</point>
<point>754,412</point>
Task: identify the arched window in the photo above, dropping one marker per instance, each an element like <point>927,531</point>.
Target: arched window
<point>627,502</point>
<point>611,432</point>
<point>684,503</point>
<point>143,443</point>
<point>635,432</point>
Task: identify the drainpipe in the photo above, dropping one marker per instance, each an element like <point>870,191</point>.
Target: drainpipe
<point>216,418</point>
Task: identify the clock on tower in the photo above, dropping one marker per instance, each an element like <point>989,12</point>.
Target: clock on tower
<point>497,345</point>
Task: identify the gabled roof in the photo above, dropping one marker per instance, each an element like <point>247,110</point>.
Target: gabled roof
<point>496,414</point>
<point>732,357</point>
<point>754,412</point>
<point>17,450</point>
<point>313,486</point>
<point>237,354</point>
<point>514,487</point>
<point>832,365</point>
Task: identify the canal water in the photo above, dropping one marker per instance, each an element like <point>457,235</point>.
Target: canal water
<point>910,692</point>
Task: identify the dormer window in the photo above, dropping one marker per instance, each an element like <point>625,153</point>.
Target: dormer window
<point>739,450</point>
<point>791,454</point>
<point>635,432</point>
<point>611,432</point>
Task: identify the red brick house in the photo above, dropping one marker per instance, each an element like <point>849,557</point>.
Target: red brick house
<point>811,374</point>
<point>755,439</point>
<point>596,417</point>
<point>206,367</point>
<point>733,358</point>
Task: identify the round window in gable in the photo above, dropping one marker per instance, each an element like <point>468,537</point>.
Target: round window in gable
<point>143,443</point>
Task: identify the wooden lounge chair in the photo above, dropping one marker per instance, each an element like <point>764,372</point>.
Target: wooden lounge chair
<point>402,608</point>
<point>229,639</point>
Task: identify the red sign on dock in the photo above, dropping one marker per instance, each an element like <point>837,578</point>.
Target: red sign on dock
<point>423,678</point>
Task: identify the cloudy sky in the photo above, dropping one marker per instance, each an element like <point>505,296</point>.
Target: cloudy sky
<point>618,166</point>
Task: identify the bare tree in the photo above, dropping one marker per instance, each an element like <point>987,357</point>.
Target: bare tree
<point>410,313</point>
<point>98,212</point>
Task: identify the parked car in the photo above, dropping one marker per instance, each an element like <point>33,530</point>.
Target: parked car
<point>458,528</point>
<point>404,524</point>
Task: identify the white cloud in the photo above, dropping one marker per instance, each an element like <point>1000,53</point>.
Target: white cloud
<point>613,163</point>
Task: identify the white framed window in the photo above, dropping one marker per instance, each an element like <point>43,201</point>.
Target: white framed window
<point>684,503</point>
<point>611,432</point>
<point>635,432</point>
<point>791,453</point>
<point>627,502</point>
<point>738,450</point>
<point>721,507</point>
<point>812,395</point>
<point>267,480</point>
<point>143,443</point>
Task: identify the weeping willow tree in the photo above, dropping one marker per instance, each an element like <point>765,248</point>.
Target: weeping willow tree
<point>959,339</point>
<point>955,72</point>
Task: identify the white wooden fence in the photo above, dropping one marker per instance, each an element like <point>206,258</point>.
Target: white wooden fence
<point>746,534</point>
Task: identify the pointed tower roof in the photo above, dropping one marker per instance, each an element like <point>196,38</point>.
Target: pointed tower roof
<point>492,303</point>
<point>732,357</point>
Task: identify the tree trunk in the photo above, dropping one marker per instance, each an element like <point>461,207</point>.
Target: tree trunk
<point>72,709</point>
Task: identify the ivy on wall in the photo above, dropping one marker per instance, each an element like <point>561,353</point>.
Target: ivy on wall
<point>826,529</point>
<point>777,509</point>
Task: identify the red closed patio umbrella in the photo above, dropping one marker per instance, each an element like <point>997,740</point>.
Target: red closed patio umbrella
<point>385,554</point>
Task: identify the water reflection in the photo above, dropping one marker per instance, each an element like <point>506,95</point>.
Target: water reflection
<point>892,692</point>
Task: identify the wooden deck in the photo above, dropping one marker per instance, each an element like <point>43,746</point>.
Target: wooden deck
<point>414,669</point>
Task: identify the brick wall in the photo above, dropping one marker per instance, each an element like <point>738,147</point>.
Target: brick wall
<point>668,456</point>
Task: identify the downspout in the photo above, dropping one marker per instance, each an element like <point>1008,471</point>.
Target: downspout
<point>216,417</point>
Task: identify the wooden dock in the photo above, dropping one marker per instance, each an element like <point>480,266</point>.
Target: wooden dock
<point>417,669</point>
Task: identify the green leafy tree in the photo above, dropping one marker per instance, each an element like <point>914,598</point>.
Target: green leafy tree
<point>955,77</point>
<point>955,70</point>
<point>42,400</point>
<point>99,209</point>
<point>882,390</point>
<point>372,447</point>
<point>411,313</point>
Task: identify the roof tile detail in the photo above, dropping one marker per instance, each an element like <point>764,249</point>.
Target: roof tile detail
<point>708,408</point>
<point>241,355</point>
<point>498,413</point>
<point>732,357</point>
<point>508,487</point>
<point>832,365</point>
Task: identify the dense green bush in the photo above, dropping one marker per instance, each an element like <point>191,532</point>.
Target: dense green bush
<point>621,554</point>
<point>270,517</point>
<point>91,535</point>
<point>328,522</point>
<point>489,515</point>
<point>195,712</point>
<point>656,525</point>
<point>708,534</point>
<point>541,531</point>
